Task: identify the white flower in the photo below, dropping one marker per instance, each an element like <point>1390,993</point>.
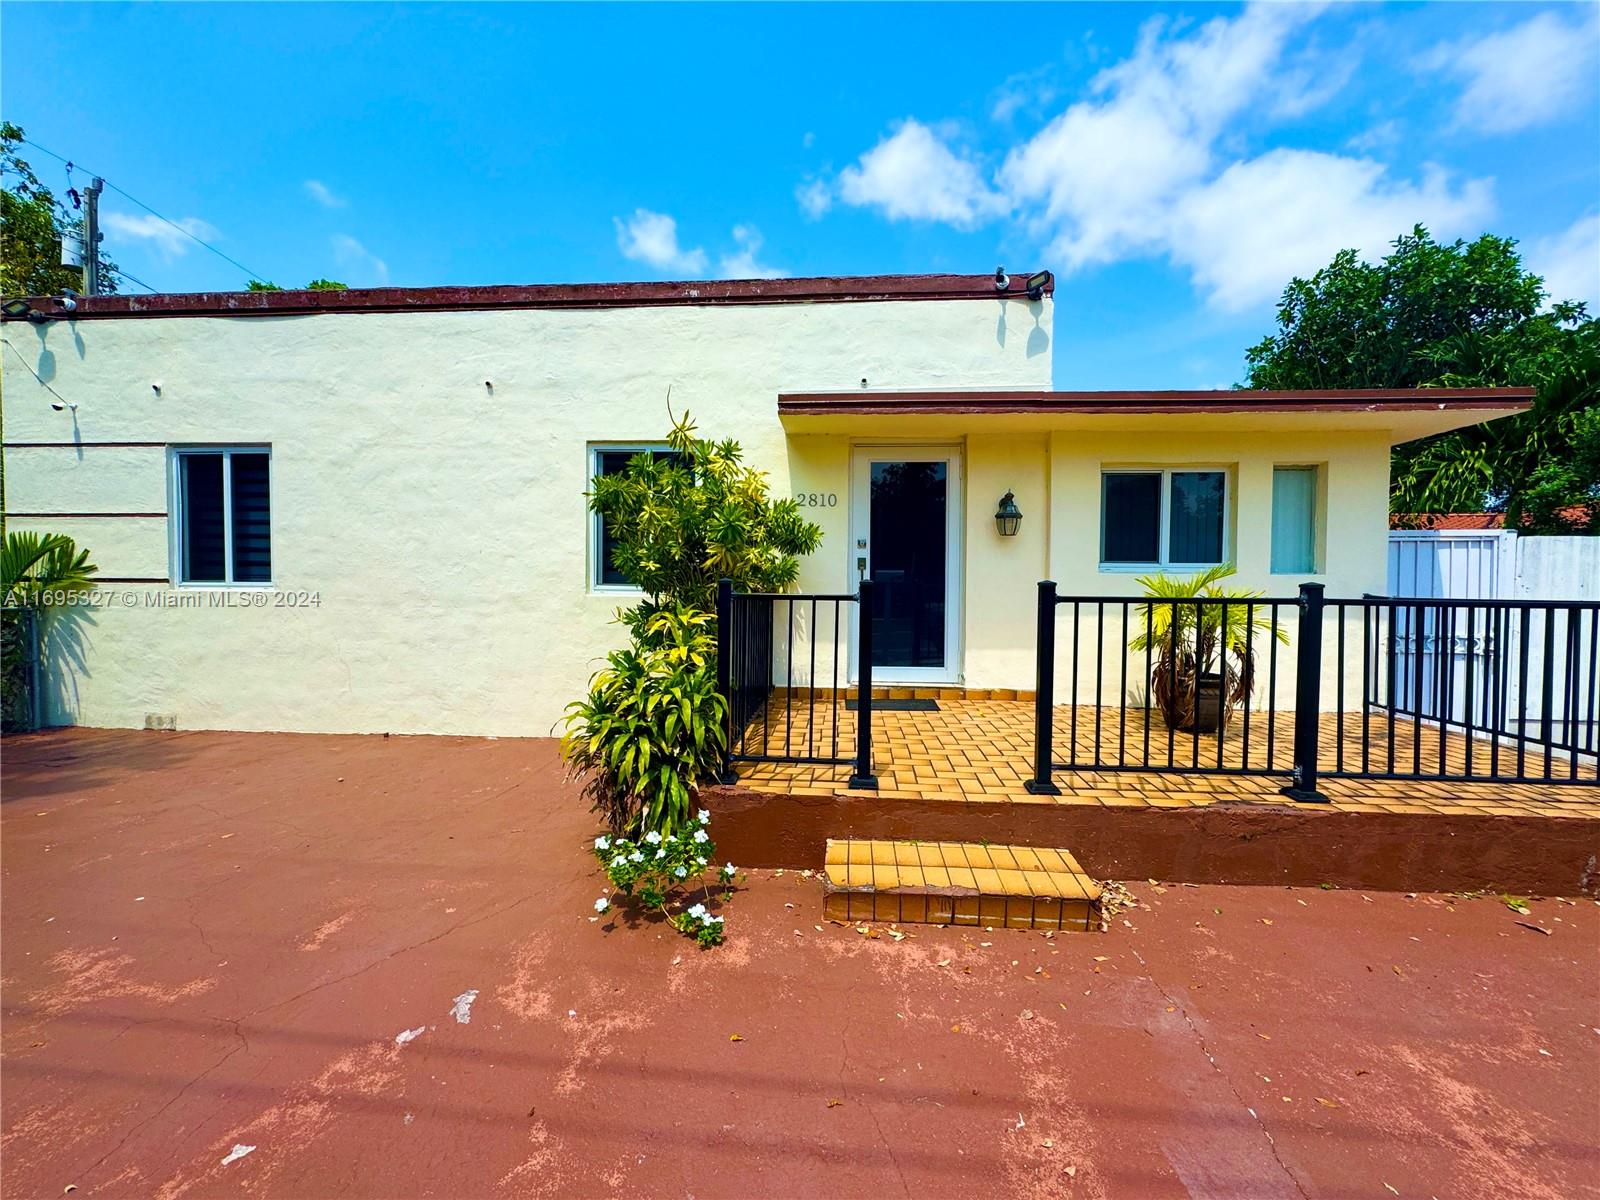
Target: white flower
<point>714,920</point>
<point>705,816</point>
<point>700,835</point>
<point>661,854</point>
<point>681,872</point>
<point>700,862</point>
<point>602,843</point>
<point>653,838</point>
<point>728,870</point>
<point>602,904</point>
<point>619,860</point>
<point>636,857</point>
<point>699,910</point>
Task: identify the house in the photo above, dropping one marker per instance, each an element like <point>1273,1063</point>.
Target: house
<point>364,511</point>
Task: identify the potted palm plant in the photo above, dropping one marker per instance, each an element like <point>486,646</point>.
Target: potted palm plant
<point>1204,651</point>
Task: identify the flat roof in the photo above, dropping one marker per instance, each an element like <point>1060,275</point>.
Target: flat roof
<point>1125,403</point>
<point>823,289</point>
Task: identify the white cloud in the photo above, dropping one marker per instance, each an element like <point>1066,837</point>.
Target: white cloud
<point>742,263</point>
<point>1146,164</point>
<point>322,194</point>
<point>1024,90</point>
<point>1244,234</point>
<point>1523,76</point>
<point>365,268</point>
<point>652,238</point>
<point>914,175</point>
<point>160,236</point>
<point>1103,174</point>
<point>1569,261</point>
<point>814,197</point>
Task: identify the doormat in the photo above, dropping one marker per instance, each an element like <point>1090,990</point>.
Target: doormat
<point>898,705</point>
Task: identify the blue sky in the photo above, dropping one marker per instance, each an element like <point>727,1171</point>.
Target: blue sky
<point>1174,164</point>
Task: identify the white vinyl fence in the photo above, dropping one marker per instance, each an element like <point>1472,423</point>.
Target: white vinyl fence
<point>1522,672</point>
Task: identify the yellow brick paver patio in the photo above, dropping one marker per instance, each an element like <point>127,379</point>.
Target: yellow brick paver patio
<point>982,750</point>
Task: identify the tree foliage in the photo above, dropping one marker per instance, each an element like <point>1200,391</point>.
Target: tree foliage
<point>34,224</point>
<point>1456,315</point>
<point>685,521</point>
<point>316,285</point>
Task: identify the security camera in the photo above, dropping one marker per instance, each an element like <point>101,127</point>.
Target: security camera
<point>1002,281</point>
<point>60,407</point>
<point>69,302</point>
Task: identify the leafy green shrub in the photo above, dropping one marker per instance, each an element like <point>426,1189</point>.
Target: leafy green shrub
<point>656,868</point>
<point>652,726</point>
<point>35,568</point>
<point>685,521</point>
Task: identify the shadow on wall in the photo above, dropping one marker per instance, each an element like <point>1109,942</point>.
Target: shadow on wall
<point>63,658</point>
<point>1038,339</point>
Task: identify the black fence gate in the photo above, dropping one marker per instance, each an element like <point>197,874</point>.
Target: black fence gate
<point>783,662</point>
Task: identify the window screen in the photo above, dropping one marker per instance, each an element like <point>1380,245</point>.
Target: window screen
<point>225,516</point>
<point>1131,517</point>
<point>1195,520</point>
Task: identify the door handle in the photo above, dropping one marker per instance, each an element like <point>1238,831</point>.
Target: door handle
<point>861,566</point>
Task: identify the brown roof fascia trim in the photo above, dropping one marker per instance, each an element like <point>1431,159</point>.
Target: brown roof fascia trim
<point>828,289</point>
<point>1134,403</point>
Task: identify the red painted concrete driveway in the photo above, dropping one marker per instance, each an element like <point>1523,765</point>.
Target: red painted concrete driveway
<point>217,941</point>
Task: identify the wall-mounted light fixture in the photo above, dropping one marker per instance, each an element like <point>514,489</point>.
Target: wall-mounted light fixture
<point>1037,283</point>
<point>1002,281</point>
<point>1008,517</point>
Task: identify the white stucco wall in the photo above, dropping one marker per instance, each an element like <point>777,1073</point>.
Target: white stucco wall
<point>440,523</point>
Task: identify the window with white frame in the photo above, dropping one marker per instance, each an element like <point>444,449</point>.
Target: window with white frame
<point>1161,518</point>
<point>1294,520</point>
<point>222,506</point>
<point>610,460</point>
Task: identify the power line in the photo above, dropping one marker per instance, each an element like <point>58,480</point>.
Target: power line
<point>134,279</point>
<point>127,196</point>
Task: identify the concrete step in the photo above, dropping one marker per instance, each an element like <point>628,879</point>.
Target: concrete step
<point>958,883</point>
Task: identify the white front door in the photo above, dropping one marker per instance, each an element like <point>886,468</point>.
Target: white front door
<point>905,536</point>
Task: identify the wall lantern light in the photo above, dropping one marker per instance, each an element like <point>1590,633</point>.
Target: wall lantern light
<point>1008,516</point>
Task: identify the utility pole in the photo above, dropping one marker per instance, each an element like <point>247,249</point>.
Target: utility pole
<point>91,237</point>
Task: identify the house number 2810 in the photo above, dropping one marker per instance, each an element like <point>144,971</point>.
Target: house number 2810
<point>817,499</point>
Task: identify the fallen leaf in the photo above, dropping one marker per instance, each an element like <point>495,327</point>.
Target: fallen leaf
<point>955,1029</point>
<point>1326,1103</point>
<point>734,1037</point>
<point>1399,972</point>
<point>1070,1172</point>
<point>1100,958</point>
<point>1265,1037</point>
<point>1391,1189</point>
<point>1266,920</point>
<point>944,962</point>
<point>1027,1014</point>
<point>1535,928</point>
<point>835,1103</point>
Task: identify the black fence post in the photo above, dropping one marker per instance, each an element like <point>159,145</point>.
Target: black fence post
<point>1307,696</point>
<point>725,674</point>
<point>1044,696</point>
<point>863,777</point>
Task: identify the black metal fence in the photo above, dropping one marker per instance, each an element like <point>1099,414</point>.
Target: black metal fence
<point>783,662</point>
<point>1373,688</point>
<point>1469,689</point>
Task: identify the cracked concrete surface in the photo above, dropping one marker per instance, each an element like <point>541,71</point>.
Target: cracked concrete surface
<point>305,897</point>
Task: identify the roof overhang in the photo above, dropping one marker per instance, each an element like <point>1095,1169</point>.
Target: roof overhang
<point>826,289</point>
<point>1404,414</point>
